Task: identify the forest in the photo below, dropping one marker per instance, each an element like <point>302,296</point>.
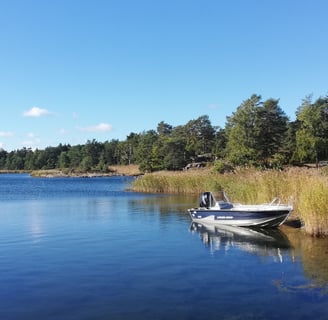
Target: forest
<point>257,134</point>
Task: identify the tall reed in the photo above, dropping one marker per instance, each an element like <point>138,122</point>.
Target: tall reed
<point>313,206</point>
<point>307,188</point>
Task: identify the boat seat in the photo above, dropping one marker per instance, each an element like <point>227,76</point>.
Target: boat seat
<point>225,205</point>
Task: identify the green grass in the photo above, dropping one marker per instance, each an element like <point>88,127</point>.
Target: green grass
<point>307,188</point>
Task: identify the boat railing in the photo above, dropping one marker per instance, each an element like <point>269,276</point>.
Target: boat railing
<point>275,202</point>
<point>291,201</point>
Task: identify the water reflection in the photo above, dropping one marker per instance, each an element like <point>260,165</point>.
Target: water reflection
<point>263,242</point>
<point>163,204</point>
<point>314,255</point>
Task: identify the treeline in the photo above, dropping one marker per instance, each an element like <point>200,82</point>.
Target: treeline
<point>258,133</point>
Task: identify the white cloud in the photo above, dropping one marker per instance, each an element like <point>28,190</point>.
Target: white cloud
<point>32,141</point>
<point>33,144</point>
<point>36,112</point>
<point>101,127</point>
<point>63,131</point>
<point>6,134</point>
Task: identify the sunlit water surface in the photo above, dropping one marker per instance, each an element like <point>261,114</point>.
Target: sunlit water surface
<point>76,248</point>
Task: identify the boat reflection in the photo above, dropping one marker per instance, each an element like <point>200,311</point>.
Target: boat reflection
<point>263,242</point>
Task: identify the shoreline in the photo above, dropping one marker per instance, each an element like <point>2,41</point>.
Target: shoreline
<point>118,170</point>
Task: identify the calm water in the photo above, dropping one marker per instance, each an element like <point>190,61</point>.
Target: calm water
<point>87,249</point>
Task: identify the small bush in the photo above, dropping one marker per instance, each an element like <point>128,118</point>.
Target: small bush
<point>221,167</point>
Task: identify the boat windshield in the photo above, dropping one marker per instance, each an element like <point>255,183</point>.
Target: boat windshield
<point>220,196</point>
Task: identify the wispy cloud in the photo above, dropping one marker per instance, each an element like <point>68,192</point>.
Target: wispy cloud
<point>213,106</point>
<point>6,134</point>
<point>101,127</point>
<point>63,131</point>
<point>75,115</point>
<point>32,141</point>
<point>36,112</point>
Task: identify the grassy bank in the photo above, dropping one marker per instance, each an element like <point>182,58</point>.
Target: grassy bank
<point>308,188</point>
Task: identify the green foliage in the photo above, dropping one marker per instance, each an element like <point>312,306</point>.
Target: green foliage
<point>312,133</point>
<point>272,125</point>
<point>256,131</point>
<point>200,135</point>
<point>144,151</point>
<point>221,167</point>
<point>277,161</point>
<point>241,131</point>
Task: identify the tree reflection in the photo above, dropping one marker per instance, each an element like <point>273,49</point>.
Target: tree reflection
<point>314,255</point>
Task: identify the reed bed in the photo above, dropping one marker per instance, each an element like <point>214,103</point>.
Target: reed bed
<point>307,189</point>
<point>125,170</point>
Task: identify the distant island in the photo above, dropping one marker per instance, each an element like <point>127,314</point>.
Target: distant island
<point>118,170</point>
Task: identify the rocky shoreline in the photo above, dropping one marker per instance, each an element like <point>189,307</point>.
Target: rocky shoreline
<point>59,174</point>
<point>119,170</point>
<point>73,174</point>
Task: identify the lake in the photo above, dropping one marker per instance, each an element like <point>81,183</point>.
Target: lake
<point>78,248</point>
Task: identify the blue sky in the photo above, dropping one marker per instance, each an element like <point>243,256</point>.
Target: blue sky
<point>77,70</point>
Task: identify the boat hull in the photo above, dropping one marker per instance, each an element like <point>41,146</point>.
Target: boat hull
<point>241,218</point>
